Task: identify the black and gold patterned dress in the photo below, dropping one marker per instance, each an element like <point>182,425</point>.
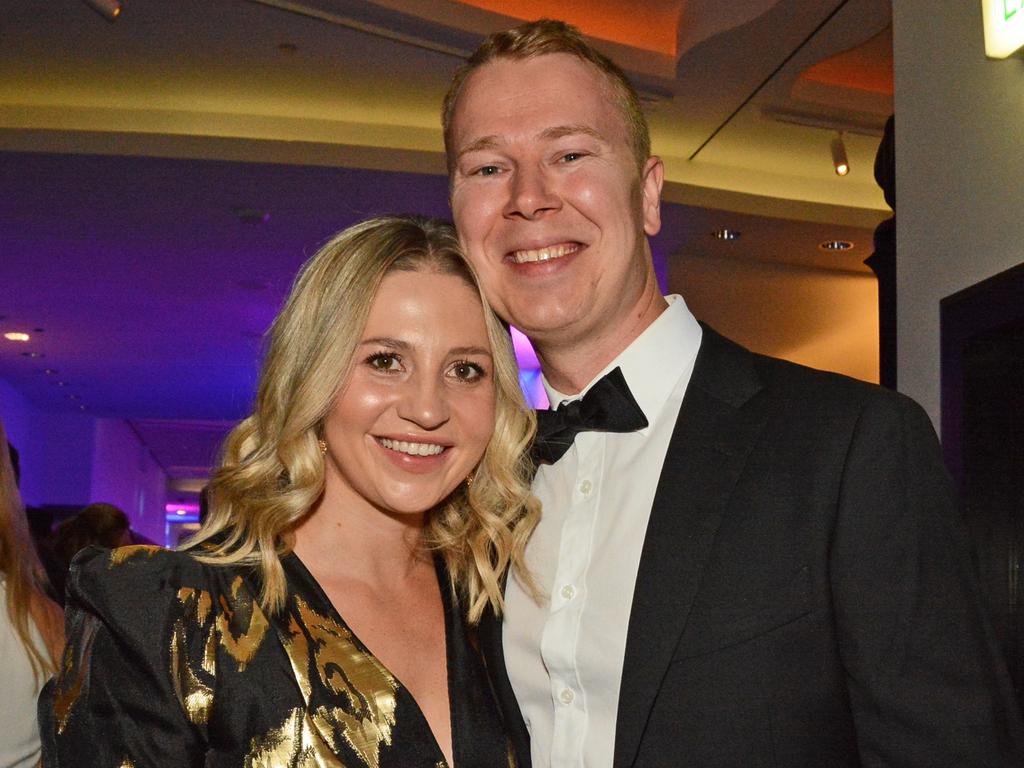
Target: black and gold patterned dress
<point>172,663</point>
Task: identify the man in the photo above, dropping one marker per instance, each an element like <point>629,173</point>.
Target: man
<point>761,565</point>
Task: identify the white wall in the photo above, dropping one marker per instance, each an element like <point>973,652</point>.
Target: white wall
<point>74,459</point>
<point>125,474</point>
<point>959,172</point>
<point>821,318</point>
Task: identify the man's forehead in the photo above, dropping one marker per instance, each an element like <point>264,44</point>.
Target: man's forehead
<point>522,83</point>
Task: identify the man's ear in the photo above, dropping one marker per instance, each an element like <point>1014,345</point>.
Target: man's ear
<point>651,179</point>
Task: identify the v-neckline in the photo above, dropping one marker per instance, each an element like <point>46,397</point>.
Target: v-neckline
<point>447,609</point>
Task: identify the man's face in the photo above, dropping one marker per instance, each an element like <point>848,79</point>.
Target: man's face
<point>548,200</point>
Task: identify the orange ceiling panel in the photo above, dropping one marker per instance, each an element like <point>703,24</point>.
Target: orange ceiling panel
<point>868,67</point>
<point>650,26</point>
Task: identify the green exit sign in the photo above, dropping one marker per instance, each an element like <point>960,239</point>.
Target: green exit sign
<point>1004,27</point>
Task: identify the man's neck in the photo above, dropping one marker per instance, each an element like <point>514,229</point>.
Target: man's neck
<point>570,364</point>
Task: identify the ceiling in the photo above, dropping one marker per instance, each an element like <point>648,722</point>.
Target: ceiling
<point>165,175</point>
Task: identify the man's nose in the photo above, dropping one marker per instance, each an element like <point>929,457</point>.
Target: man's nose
<point>531,194</point>
<point>424,402</point>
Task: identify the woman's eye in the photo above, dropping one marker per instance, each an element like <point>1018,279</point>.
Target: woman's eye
<point>467,371</point>
<point>384,361</point>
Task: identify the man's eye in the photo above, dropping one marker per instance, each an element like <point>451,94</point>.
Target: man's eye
<point>384,361</point>
<point>486,170</point>
<point>466,371</point>
<point>570,157</point>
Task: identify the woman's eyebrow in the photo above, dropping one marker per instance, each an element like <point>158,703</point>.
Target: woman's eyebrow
<point>470,351</point>
<point>386,341</point>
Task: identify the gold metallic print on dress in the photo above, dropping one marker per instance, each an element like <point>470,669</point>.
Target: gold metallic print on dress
<point>296,744</point>
<point>241,624</point>
<point>322,650</point>
<point>73,673</point>
<point>126,763</point>
<point>121,554</point>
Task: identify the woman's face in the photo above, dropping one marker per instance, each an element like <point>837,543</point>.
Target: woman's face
<point>418,411</point>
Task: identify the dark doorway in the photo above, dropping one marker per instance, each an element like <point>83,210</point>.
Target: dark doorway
<point>983,442</point>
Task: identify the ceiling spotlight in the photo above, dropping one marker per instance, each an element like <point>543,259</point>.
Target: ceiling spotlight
<point>17,336</point>
<point>108,9</point>
<point>251,215</point>
<point>726,234</point>
<point>839,161</point>
<point>836,245</point>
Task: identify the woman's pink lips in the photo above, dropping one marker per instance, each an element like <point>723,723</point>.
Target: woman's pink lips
<point>418,465</point>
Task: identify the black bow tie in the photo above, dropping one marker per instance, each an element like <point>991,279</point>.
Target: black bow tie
<point>607,407</point>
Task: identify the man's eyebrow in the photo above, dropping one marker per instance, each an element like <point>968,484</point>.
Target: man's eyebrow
<point>559,131</point>
<point>548,134</point>
<point>484,142</point>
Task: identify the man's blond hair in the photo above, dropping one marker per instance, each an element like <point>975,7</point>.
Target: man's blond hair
<point>537,38</point>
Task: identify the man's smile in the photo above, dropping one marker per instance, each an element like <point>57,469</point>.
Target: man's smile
<point>547,253</point>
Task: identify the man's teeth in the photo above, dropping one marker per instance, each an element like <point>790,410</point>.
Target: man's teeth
<point>544,254</point>
<point>413,449</point>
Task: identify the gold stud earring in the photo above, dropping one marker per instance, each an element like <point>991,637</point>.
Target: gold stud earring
<point>470,478</point>
<point>323,446</point>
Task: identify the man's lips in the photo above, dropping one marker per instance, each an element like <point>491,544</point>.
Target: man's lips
<point>545,253</point>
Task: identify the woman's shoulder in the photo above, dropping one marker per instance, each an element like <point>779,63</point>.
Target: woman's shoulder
<point>134,580</point>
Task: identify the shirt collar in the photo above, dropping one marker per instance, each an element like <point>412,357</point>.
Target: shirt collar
<point>653,362</point>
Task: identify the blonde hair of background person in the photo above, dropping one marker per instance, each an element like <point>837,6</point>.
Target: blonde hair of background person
<point>272,471</point>
<point>537,39</point>
<point>24,578</point>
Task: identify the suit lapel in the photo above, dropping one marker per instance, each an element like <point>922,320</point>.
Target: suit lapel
<point>717,426</point>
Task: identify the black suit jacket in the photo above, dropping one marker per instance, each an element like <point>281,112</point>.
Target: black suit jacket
<point>805,595</point>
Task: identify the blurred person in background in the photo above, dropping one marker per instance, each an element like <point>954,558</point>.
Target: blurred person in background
<point>100,524</point>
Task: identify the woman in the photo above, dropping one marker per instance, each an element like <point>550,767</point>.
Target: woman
<point>31,633</point>
<point>360,523</point>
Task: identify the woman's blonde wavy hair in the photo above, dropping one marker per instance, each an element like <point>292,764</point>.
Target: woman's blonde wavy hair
<point>271,471</point>
<point>24,578</point>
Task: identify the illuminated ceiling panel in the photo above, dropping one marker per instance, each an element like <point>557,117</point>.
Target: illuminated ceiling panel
<point>652,26</point>
<point>868,67</point>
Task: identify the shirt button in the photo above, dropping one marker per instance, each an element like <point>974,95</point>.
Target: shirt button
<point>566,696</point>
<point>586,487</point>
<point>568,591</point>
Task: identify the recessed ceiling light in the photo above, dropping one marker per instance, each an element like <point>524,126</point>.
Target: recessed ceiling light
<point>74,397</point>
<point>51,371</point>
<point>17,336</point>
<point>60,383</point>
<point>33,355</point>
<point>836,245</point>
<point>250,215</point>
<point>726,234</point>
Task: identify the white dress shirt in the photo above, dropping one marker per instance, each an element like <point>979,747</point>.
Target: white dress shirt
<point>565,657</point>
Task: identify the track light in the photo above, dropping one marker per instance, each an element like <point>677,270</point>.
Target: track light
<point>108,9</point>
<point>839,161</point>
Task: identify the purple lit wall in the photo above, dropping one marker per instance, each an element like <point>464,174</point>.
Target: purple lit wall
<point>125,474</point>
<point>55,450</point>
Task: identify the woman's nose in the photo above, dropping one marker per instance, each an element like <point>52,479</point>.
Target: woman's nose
<point>424,402</point>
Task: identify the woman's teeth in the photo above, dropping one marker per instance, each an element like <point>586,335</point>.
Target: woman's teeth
<point>413,449</point>
<point>544,254</point>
